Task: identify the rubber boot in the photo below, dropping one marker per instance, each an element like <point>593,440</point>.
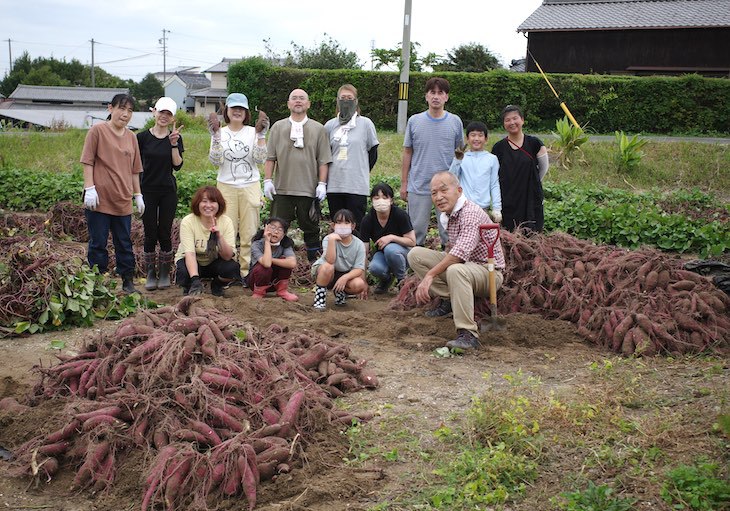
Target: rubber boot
<point>128,284</point>
<point>283,291</point>
<point>165,266</point>
<point>259,291</point>
<point>150,260</point>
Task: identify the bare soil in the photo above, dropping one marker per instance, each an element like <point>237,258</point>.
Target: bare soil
<point>422,390</point>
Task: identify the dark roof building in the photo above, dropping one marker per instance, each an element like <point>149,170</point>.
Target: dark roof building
<point>630,36</point>
<point>42,96</point>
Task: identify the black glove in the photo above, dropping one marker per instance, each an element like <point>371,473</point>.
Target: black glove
<point>196,287</point>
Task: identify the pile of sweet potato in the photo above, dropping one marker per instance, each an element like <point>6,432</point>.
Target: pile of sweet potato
<point>630,301</point>
<point>215,406</point>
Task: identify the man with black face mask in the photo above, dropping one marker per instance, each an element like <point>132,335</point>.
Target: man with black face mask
<point>354,145</point>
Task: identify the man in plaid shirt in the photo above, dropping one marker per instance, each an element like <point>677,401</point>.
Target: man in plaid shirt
<point>459,274</point>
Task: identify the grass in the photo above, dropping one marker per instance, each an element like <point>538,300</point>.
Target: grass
<point>666,165</point>
<point>628,434</point>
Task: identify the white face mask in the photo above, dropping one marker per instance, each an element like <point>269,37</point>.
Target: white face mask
<point>381,205</point>
<point>343,230</point>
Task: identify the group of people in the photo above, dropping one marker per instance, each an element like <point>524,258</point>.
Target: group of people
<point>305,163</point>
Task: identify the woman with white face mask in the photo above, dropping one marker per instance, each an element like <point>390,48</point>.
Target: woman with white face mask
<point>341,267</point>
<point>354,145</point>
<point>390,229</point>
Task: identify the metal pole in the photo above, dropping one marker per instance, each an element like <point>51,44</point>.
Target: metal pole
<point>164,54</point>
<point>93,79</point>
<point>10,56</point>
<point>405,70</point>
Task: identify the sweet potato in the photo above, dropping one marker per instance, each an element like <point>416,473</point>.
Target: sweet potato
<point>10,404</point>
<point>248,480</point>
<point>174,481</point>
<point>226,419</point>
<point>290,412</point>
<point>113,411</point>
<point>205,430</point>
<point>64,433</point>
<point>277,454</point>
<point>620,333</point>
<point>98,420</point>
<point>54,449</point>
<point>232,481</point>
<point>313,357</point>
<point>367,378</point>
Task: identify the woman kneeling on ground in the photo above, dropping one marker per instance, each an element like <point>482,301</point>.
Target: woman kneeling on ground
<point>342,264</point>
<point>207,238</point>
<point>272,260</point>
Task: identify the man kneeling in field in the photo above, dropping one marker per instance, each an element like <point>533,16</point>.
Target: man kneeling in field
<point>460,273</point>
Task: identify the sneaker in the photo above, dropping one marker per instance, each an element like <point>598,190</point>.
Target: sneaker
<point>465,340</point>
<point>340,298</point>
<point>383,286</point>
<point>444,309</point>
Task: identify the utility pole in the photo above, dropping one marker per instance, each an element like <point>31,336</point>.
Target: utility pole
<point>405,70</point>
<point>163,42</point>
<point>10,56</point>
<point>93,78</point>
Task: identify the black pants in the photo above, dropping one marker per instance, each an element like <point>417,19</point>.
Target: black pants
<point>355,203</point>
<point>229,270</point>
<point>157,219</point>
<point>290,207</point>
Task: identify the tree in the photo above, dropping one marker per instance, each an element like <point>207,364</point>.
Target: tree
<point>328,55</point>
<point>148,90</point>
<point>469,58</point>
<point>385,57</point>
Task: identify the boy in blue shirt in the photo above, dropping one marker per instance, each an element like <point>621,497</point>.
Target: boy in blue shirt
<point>478,171</point>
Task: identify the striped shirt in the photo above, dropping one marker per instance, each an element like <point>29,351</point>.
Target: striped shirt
<point>433,142</point>
<point>465,241</point>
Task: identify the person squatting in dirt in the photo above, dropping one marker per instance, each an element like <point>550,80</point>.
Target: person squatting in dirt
<point>341,267</point>
<point>391,231</point>
<point>207,245</point>
<point>460,273</point>
<point>235,150</point>
<point>428,147</point>
<point>161,149</point>
<point>112,166</point>
<point>295,174</point>
<point>478,171</point>
<point>272,260</point>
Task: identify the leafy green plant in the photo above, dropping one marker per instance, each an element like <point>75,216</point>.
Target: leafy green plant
<point>696,487</point>
<point>629,153</point>
<point>80,298</point>
<point>595,498</point>
<point>569,139</point>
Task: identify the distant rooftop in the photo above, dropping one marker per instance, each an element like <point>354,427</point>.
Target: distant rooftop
<point>193,80</point>
<point>66,94</point>
<point>222,66</point>
<point>555,15</point>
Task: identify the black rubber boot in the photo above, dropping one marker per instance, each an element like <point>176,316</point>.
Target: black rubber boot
<point>128,284</point>
<point>165,266</point>
<point>150,260</point>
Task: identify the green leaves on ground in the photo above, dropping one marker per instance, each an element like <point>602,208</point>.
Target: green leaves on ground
<point>697,487</point>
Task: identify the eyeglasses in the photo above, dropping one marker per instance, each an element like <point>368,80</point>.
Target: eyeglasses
<point>275,229</point>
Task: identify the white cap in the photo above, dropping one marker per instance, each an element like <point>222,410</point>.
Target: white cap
<point>166,103</point>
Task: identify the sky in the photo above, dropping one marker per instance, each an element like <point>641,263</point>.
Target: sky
<point>128,34</point>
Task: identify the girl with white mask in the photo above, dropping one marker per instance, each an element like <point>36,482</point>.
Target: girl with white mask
<point>389,228</point>
<point>342,264</point>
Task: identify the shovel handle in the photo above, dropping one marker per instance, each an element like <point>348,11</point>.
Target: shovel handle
<point>484,234</point>
<point>492,283</point>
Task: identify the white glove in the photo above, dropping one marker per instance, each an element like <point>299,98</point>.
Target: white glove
<point>269,190</point>
<point>139,201</point>
<point>497,216</point>
<point>91,198</point>
<point>321,191</point>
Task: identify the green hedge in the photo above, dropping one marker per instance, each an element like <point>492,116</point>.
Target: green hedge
<point>662,105</point>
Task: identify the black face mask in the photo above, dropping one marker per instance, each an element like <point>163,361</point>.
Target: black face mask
<point>347,107</point>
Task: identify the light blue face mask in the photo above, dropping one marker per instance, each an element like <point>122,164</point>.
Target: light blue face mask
<point>344,230</point>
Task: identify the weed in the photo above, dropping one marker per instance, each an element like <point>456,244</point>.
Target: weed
<point>696,487</point>
<point>594,498</point>
<point>569,139</point>
<point>629,153</point>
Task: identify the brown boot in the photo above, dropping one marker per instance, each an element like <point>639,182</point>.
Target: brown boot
<point>259,291</point>
<point>283,291</point>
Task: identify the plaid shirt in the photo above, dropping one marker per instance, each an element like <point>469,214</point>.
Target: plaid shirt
<point>465,241</point>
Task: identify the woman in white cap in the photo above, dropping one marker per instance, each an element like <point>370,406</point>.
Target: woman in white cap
<point>161,149</point>
<point>237,149</point>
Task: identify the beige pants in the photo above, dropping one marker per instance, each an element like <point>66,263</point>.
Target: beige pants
<point>461,282</point>
<point>243,206</point>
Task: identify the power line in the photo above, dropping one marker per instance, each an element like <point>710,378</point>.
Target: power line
<point>128,58</point>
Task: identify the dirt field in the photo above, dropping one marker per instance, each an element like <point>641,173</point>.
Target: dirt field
<point>419,393</point>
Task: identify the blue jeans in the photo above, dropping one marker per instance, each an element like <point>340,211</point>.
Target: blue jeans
<point>392,260</point>
<point>99,225</point>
